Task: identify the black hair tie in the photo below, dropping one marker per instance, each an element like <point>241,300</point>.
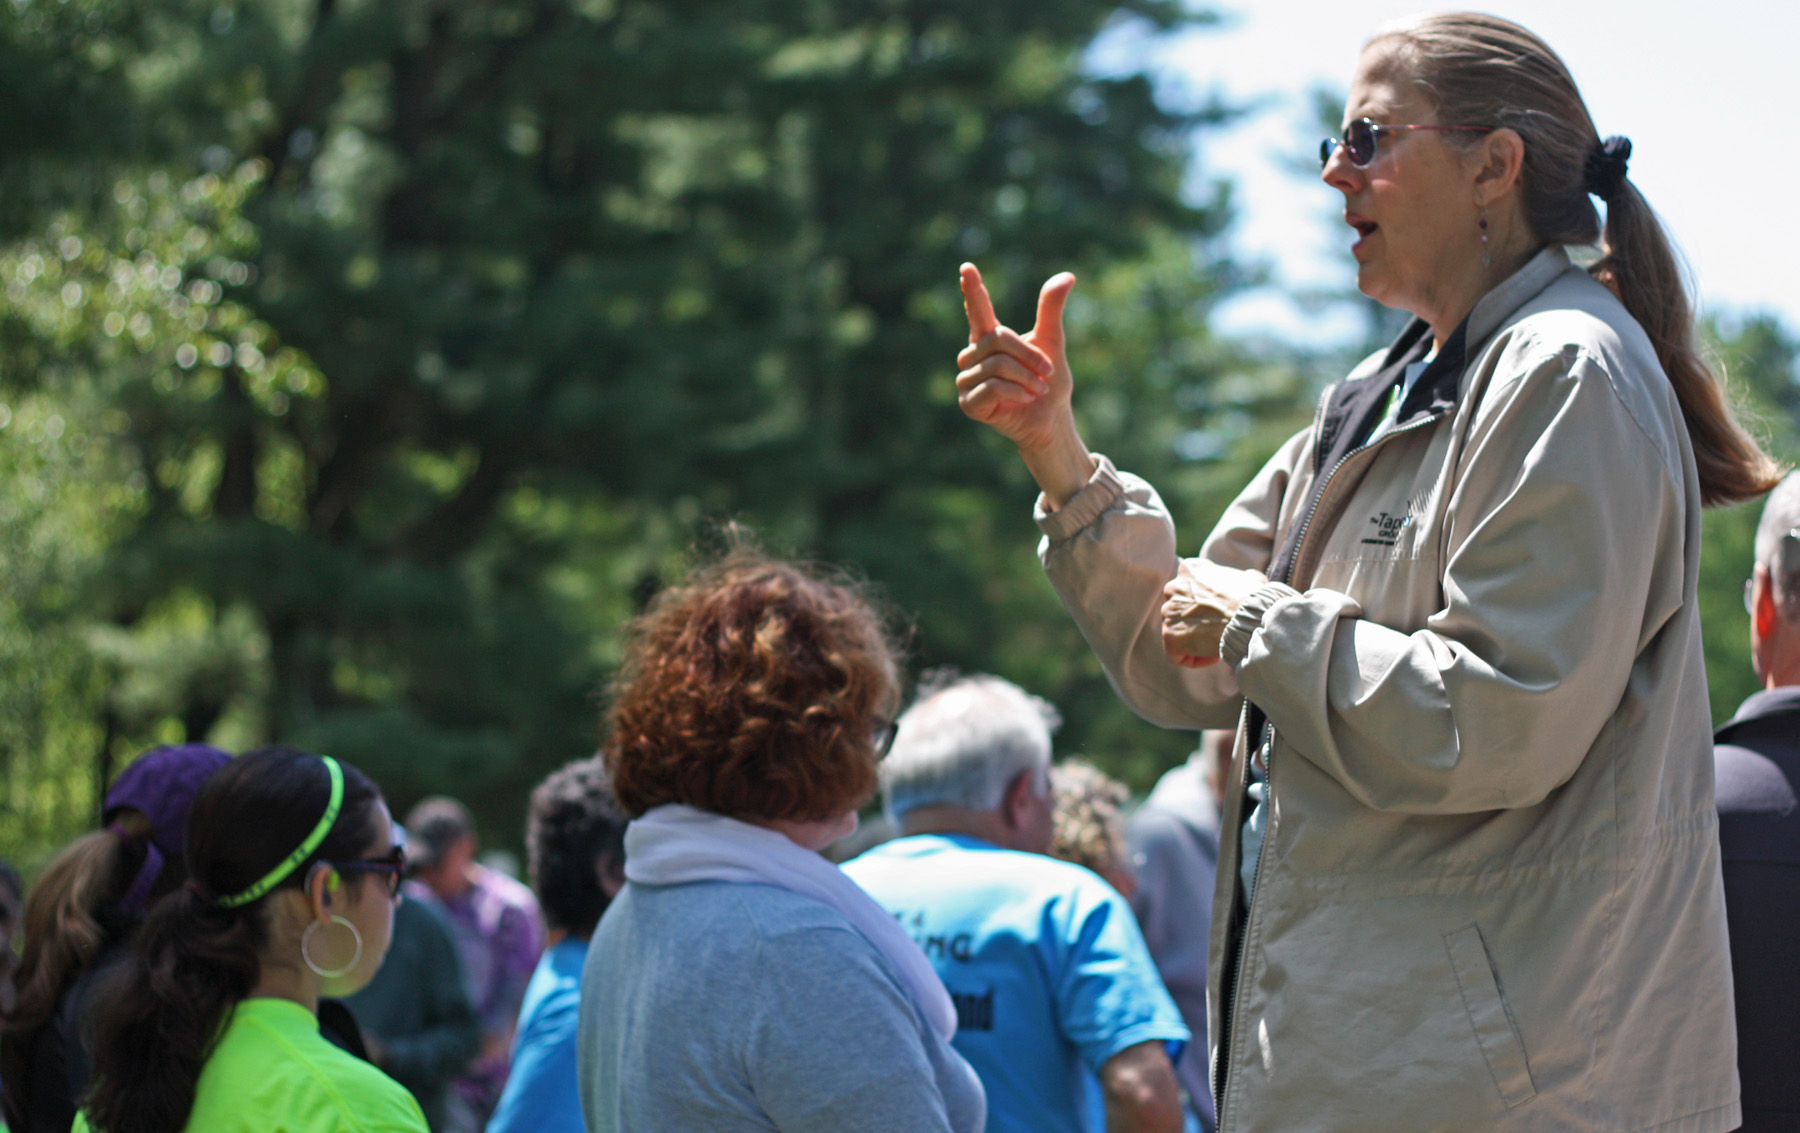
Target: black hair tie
<point>1605,172</point>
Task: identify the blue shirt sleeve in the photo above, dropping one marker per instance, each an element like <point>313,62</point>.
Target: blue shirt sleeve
<point>1108,994</point>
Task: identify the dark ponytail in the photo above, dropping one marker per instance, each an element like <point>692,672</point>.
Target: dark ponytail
<point>1483,70</point>
<point>195,959</point>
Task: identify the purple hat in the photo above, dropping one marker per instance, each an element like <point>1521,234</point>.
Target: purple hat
<point>162,784</point>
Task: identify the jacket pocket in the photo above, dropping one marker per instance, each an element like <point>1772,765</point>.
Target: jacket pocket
<point>1493,1023</point>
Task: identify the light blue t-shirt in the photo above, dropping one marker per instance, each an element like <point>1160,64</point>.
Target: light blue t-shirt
<point>1044,960</point>
<point>541,1094</point>
<point>735,1007</point>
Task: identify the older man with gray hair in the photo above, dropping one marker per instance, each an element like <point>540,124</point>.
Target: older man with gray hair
<point>1756,757</point>
<point>1060,1010</point>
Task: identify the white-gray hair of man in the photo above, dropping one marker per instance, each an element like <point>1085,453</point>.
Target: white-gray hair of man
<point>1778,546</point>
<point>963,742</point>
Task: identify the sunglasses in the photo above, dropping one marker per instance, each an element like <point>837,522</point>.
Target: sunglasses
<point>1363,137</point>
<point>391,866</point>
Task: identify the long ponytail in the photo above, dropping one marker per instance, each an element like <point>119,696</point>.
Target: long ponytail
<point>1640,267</point>
<point>70,917</point>
<point>195,958</point>
<point>1481,69</point>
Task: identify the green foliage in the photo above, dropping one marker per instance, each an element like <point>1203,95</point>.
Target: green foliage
<point>51,685</point>
<point>412,343</point>
<point>1758,359</point>
<point>364,366</point>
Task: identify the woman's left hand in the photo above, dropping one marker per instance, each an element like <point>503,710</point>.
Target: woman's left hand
<point>1198,603</point>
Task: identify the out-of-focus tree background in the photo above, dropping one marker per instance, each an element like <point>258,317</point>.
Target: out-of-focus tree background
<point>364,365</point>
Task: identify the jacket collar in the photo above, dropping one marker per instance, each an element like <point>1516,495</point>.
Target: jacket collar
<point>1497,306</point>
<point>1761,706</point>
<point>1353,407</point>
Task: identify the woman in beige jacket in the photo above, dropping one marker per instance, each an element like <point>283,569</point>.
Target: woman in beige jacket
<point>1470,873</point>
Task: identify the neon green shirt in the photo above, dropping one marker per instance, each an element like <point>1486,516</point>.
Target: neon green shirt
<point>273,1073</point>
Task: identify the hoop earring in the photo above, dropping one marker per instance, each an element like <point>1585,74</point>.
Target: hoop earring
<point>330,973</point>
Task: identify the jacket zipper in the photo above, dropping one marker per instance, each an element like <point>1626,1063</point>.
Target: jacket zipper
<point>1231,958</point>
<point>1234,975</point>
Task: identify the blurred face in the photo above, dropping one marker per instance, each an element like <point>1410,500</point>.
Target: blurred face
<point>365,900</point>
<point>1417,227</point>
<point>448,877</point>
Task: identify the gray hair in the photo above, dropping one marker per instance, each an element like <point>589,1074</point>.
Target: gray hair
<point>963,742</point>
<point>1780,515</point>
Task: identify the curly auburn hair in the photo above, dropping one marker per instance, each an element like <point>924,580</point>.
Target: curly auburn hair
<point>751,690</point>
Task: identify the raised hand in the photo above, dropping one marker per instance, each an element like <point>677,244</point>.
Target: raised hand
<point>1021,384</point>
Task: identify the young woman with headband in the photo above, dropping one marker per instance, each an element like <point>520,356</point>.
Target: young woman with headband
<point>212,1022</point>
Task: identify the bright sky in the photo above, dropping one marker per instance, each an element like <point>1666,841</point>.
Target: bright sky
<point>1702,90</point>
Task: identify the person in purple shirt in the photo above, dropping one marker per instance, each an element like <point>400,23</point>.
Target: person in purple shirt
<point>575,837</point>
<point>499,934</point>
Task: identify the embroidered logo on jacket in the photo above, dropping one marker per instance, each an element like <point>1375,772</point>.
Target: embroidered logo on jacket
<point>1387,528</point>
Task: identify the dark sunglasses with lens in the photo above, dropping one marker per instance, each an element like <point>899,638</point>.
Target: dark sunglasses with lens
<point>390,866</point>
<point>882,738</point>
<point>1363,137</point>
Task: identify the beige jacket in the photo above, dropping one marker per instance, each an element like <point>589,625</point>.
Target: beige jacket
<point>1489,897</point>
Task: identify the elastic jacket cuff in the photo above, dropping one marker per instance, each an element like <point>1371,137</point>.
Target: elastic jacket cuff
<point>1234,643</point>
<point>1100,492</point>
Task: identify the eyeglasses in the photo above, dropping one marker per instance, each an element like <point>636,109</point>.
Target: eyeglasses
<point>391,866</point>
<point>882,737</point>
<point>1362,138</point>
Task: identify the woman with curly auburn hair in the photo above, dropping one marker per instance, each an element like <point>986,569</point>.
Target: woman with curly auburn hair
<point>727,982</point>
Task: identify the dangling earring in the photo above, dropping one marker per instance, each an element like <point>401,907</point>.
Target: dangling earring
<point>306,949</point>
<point>1486,259</point>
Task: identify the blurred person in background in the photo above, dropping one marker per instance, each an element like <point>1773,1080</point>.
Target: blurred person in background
<point>1089,817</point>
<point>1756,758</point>
<point>1174,840</point>
<point>417,1021</point>
<point>575,844</point>
<point>499,934</point>
<point>77,920</point>
<point>12,894</point>
<point>1470,854</point>
<point>740,981</point>
<point>1043,960</point>
<point>210,1024</point>
<point>12,898</point>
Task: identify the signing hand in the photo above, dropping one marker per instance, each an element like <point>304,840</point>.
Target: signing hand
<point>1021,384</point>
<point>1198,603</point>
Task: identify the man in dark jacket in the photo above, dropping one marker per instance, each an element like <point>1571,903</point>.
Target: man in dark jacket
<point>1757,759</point>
